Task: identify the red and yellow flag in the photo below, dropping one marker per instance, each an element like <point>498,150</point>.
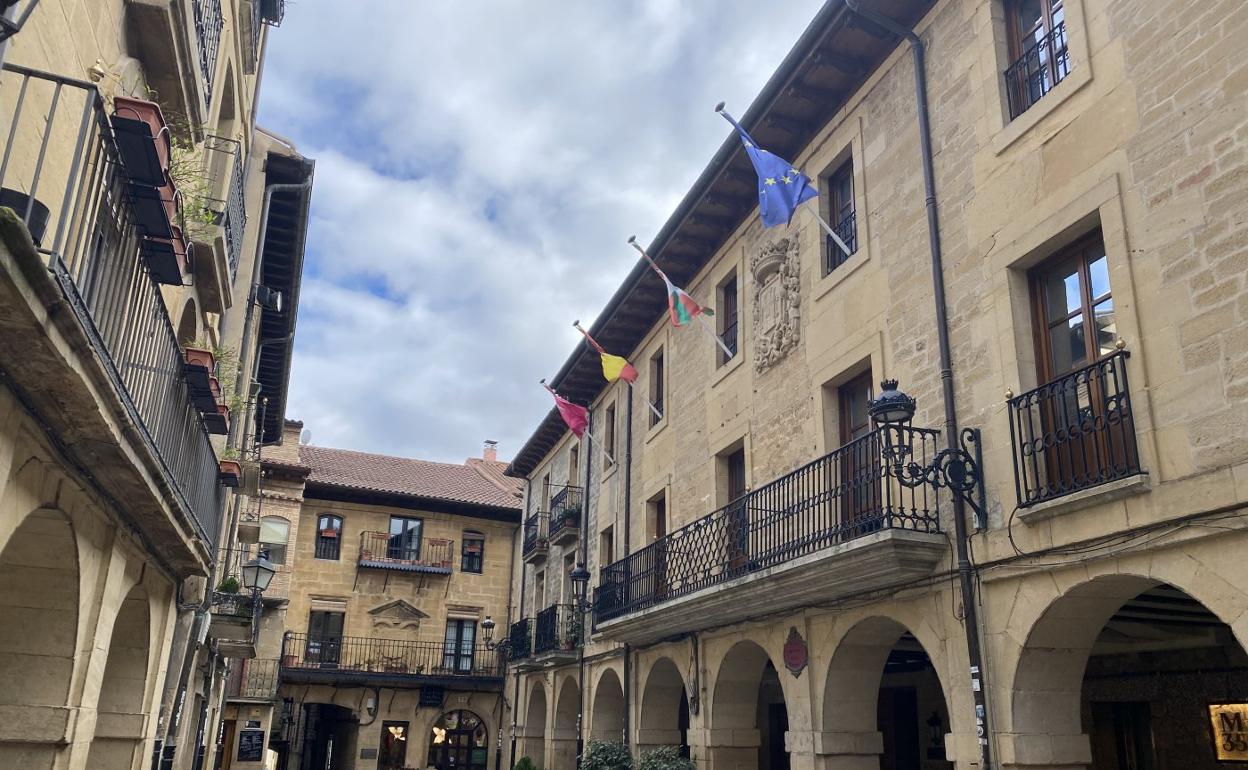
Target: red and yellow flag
<point>613,367</point>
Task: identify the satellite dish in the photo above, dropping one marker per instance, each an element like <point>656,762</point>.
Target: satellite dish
<point>305,437</point>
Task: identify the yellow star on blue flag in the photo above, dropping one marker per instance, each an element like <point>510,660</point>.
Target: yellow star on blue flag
<point>777,205</point>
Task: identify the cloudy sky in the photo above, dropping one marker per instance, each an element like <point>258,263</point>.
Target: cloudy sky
<point>480,165</point>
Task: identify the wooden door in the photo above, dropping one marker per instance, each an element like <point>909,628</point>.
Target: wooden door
<point>860,461</point>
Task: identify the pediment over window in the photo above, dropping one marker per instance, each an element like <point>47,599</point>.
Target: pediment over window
<point>396,614</point>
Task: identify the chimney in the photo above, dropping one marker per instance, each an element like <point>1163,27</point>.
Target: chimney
<point>491,451</point>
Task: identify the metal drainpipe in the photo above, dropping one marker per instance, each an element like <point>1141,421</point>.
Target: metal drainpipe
<point>515,707</point>
<point>628,498</point>
<point>966,576</point>
<point>584,550</point>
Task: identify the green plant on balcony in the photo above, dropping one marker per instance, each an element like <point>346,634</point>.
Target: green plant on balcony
<point>665,758</point>
<point>576,627</point>
<point>228,586</point>
<point>602,755</point>
<point>525,764</point>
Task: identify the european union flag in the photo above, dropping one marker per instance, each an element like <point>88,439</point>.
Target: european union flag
<point>781,188</point>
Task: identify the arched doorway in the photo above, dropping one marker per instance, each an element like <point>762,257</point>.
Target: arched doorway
<point>563,739</point>
<point>534,728</point>
<point>882,682</point>
<point>459,741</point>
<point>748,701</point>
<point>1126,673</point>
<point>664,717</point>
<point>606,721</point>
<point>38,624</point>
<point>118,726</point>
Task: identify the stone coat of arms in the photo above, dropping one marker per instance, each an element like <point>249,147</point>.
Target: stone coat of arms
<point>776,268</point>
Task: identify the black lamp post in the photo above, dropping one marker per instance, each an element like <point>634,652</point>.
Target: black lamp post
<point>580,586</point>
<point>258,573</point>
<point>958,469</point>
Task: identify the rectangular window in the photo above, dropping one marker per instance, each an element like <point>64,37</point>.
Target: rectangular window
<point>734,467</point>
<point>328,537</point>
<point>656,510</point>
<point>656,388</point>
<point>539,589</point>
<point>404,542</point>
<point>274,532</point>
<point>569,564</point>
<point>1036,30</point>
<point>841,216</point>
<point>393,752</point>
<point>1073,309</point>
<point>472,555</point>
<point>608,437</point>
<point>656,513</point>
<point>574,466</point>
<point>324,643</point>
<point>459,645</point>
<point>606,548</point>
<point>728,317</point>
<point>859,467</point>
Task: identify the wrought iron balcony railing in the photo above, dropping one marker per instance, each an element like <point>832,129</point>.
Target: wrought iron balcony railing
<point>847,231</point>
<point>844,495</point>
<point>62,174</point>
<point>565,509</point>
<point>521,638</point>
<point>234,219</point>
<point>208,25</point>
<point>387,657</point>
<point>1041,67</point>
<point>558,628</point>
<point>1074,433</point>
<point>253,679</point>
<point>408,554</point>
<point>534,540</point>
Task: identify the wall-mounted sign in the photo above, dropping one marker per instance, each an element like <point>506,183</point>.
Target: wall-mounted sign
<point>431,696</point>
<point>1230,731</point>
<point>251,746</point>
<point>796,656</point>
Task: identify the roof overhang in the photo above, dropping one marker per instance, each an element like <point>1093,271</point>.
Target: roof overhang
<point>284,243</point>
<point>831,61</point>
<point>319,490</point>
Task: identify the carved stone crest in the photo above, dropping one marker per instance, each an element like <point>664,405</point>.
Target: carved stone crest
<point>776,268</point>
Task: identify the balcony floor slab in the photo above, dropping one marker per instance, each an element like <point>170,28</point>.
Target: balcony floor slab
<point>879,560</point>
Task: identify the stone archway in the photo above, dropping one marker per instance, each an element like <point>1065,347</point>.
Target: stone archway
<point>883,702</point>
<point>534,731</point>
<point>749,716</point>
<point>121,719</point>
<point>38,633</point>
<point>1118,669</point>
<point>606,722</point>
<point>563,738</point>
<point>664,716</point>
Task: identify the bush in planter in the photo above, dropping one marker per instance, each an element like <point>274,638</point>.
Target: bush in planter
<point>228,586</point>
<point>665,758</point>
<point>600,755</point>
<point>525,764</point>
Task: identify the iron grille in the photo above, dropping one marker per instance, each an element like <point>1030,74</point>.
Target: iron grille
<point>60,142</point>
<point>256,679</point>
<point>382,549</point>
<point>842,496</point>
<point>521,637</point>
<point>1041,67</point>
<point>565,509</point>
<point>558,627</point>
<point>847,231</point>
<point>1074,433</point>
<point>534,534</point>
<point>390,657</point>
<point>235,219</point>
<point>208,25</point>
<point>729,337</point>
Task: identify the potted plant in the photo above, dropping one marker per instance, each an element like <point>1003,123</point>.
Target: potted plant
<point>228,586</point>
<point>143,138</point>
<point>229,469</point>
<point>198,365</point>
<point>19,201</point>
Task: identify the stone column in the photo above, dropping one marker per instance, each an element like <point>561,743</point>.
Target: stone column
<point>726,748</point>
<point>561,752</point>
<point>847,750</point>
<point>1050,751</point>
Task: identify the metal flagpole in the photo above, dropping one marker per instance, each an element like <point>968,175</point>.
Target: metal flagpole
<point>589,341</point>
<point>632,241</point>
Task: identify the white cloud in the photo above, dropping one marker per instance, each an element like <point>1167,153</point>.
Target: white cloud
<point>479,167</point>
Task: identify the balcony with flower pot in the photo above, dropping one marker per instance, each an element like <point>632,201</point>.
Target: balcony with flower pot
<point>565,515</point>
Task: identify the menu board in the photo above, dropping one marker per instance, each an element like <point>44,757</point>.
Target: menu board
<point>251,746</point>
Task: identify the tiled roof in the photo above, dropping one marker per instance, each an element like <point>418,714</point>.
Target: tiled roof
<point>478,482</point>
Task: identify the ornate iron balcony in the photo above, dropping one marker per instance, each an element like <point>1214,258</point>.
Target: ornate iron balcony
<point>565,513</point>
<point>208,25</point>
<point>558,629</point>
<point>1041,67</point>
<point>535,543</point>
<point>847,231</point>
<point>1074,433</point>
<point>521,638</point>
<point>367,658</point>
<point>406,554</point>
<point>844,495</point>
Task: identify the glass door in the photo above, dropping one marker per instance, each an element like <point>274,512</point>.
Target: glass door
<point>459,646</point>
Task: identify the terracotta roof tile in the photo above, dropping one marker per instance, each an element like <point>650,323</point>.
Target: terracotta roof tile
<point>476,482</point>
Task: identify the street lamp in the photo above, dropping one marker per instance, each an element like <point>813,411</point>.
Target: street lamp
<point>258,573</point>
<point>956,468</point>
<point>580,586</point>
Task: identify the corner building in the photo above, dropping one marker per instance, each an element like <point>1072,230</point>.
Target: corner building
<point>388,570</point>
<point>766,591</point>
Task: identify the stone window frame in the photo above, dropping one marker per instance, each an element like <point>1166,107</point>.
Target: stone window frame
<point>865,355</point>
<point>465,536</point>
<point>850,146</point>
<point>285,545</point>
<point>656,369</point>
<point>731,260</point>
<point>319,537</point>
<point>995,59</point>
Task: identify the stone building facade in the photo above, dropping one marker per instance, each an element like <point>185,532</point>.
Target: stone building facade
<point>388,571</point>
<point>766,591</point>
<point>133,190</point>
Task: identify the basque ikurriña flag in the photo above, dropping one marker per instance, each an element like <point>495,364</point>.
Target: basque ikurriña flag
<point>781,188</point>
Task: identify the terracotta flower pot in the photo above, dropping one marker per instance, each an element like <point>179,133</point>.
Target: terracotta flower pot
<point>229,472</point>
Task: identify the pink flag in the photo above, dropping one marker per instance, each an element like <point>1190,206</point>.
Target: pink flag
<point>576,417</point>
